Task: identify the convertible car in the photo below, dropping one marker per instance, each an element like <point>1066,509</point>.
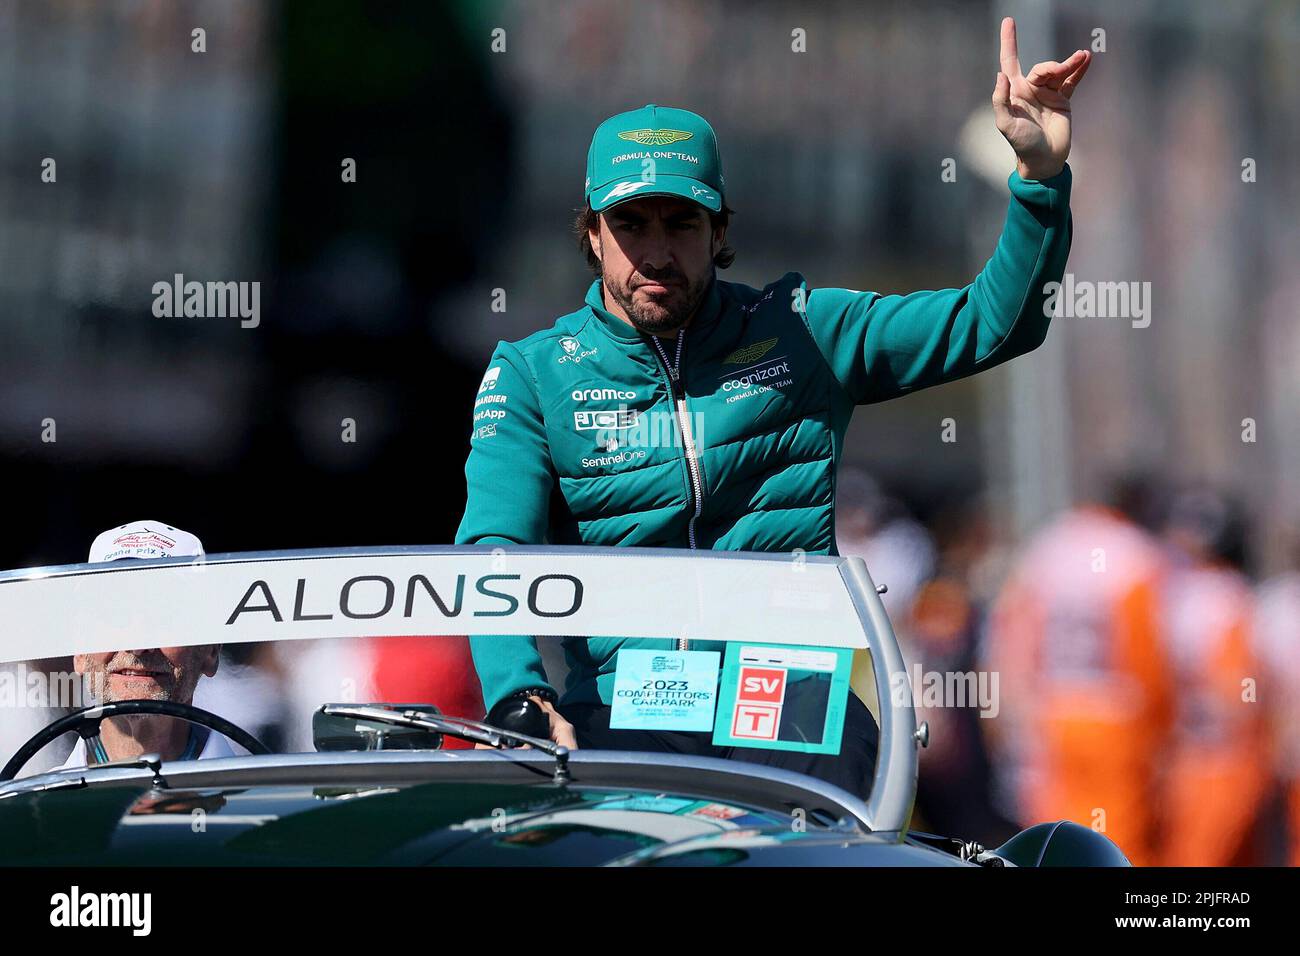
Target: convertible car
<point>381,789</point>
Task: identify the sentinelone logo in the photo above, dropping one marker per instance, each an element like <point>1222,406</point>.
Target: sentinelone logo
<point>75,908</point>
<point>367,597</point>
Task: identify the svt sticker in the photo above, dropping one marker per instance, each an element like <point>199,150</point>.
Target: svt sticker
<point>757,713</point>
<point>783,697</point>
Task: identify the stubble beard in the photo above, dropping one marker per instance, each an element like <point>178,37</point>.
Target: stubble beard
<point>168,688</point>
<point>665,313</point>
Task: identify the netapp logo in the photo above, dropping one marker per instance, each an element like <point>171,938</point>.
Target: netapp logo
<point>603,395</point>
<point>371,596</point>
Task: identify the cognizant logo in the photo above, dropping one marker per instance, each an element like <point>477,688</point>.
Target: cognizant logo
<point>757,376</point>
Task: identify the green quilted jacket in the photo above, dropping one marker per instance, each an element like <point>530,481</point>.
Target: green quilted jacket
<point>729,436</point>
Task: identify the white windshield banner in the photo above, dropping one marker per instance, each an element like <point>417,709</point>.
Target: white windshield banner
<point>619,593</point>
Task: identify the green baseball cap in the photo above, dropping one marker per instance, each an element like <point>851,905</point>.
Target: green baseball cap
<point>654,151</point>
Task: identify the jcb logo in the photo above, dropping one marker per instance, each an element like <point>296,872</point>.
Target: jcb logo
<point>618,420</point>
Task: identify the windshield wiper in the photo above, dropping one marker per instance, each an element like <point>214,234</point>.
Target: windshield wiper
<point>460,727</point>
<point>149,761</point>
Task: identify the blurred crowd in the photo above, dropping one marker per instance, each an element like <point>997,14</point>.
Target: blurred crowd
<point>1145,683</point>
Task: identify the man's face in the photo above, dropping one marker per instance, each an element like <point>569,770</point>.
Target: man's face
<point>160,673</point>
<point>656,256</point>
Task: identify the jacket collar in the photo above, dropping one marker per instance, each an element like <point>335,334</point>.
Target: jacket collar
<point>705,316</point>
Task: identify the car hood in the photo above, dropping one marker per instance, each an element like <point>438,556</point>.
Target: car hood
<point>441,823</point>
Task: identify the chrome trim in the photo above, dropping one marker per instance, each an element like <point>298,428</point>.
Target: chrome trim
<point>294,554</point>
<point>893,789</point>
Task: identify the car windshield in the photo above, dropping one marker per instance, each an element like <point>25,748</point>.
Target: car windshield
<point>756,649</point>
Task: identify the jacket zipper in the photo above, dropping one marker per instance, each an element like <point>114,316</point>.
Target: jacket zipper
<point>674,370</point>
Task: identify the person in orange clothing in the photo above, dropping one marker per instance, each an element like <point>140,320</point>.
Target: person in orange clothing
<point>1218,771</point>
<point>1085,687</point>
<point>1277,641</point>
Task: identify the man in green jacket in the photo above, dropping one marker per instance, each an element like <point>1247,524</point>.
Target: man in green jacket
<point>759,385</point>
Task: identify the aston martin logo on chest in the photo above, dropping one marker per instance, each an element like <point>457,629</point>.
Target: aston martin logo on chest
<point>750,353</point>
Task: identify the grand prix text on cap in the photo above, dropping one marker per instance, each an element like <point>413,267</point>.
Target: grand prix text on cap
<point>145,539</point>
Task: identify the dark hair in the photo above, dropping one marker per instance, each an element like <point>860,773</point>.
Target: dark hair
<point>586,220</point>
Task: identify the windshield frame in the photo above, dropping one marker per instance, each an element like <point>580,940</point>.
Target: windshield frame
<point>893,791</point>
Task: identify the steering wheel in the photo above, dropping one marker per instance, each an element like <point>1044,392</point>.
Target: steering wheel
<point>87,720</point>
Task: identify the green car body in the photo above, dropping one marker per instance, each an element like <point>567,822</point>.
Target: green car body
<point>485,809</point>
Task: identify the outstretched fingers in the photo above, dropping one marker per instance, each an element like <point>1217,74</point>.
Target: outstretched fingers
<point>1010,55</point>
<point>1052,74</point>
<point>1072,81</point>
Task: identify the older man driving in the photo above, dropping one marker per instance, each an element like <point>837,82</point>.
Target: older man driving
<point>147,673</point>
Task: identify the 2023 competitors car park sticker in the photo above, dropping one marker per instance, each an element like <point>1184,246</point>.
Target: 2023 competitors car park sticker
<point>664,690</point>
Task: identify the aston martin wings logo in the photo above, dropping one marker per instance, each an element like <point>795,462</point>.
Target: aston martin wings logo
<point>749,353</point>
<point>654,137</point>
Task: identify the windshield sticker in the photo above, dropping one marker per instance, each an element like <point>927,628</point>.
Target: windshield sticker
<point>647,803</point>
<point>783,697</point>
<point>664,690</point>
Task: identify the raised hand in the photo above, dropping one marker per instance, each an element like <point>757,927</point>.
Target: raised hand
<point>1033,112</point>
